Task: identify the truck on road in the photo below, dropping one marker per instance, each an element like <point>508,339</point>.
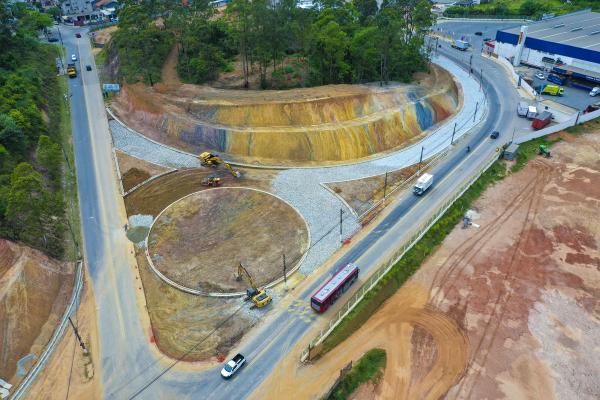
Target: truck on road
<point>423,183</point>
<point>460,45</point>
<point>233,366</point>
<point>71,70</point>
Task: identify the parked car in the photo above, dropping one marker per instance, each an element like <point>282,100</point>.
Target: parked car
<point>478,33</point>
<point>522,109</point>
<point>73,57</point>
<point>52,39</point>
<point>233,366</point>
<point>487,39</point>
<point>495,135</point>
<point>78,35</point>
<point>88,67</point>
<point>556,79</point>
<point>595,91</point>
<point>541,76</point>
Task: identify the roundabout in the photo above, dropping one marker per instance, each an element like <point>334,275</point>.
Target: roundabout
<point>197,242</point>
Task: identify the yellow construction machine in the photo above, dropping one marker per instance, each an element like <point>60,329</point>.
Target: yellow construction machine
<point>259,297</point>
<point>208,159</point>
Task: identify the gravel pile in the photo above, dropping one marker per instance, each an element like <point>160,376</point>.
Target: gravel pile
<point>139,146</point>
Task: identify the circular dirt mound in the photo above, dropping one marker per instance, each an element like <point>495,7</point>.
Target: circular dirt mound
<point>198,241</point>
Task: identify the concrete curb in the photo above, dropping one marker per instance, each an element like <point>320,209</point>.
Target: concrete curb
<point>139,185</point>
<point>218,294</point>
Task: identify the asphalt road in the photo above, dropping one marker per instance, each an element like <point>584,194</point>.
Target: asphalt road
<point>130,366</point>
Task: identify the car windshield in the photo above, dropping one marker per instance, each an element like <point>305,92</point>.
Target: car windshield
<point>228,368</point>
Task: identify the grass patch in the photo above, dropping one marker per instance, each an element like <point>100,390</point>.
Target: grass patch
<point>73,232</point>
<point>529,150</point>
<point>413,259</point>
<point>369,368</point>
<point>586,127</point>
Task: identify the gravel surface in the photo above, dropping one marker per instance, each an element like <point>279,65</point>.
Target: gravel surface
<point>301,186</point>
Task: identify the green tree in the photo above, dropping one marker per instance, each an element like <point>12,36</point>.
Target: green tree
<point>328,47</point>
<point>49,155</point>
<point>366,8</point>
<point>11,134</point>
<point>364,51</point>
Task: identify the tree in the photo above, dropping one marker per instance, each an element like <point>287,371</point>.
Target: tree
<point>11,134</point>
<point>49,155</point>
<point>366,8</point>
<point>329,44</point>
<point>55,11</point>
<point>364,51</point>
<point>531,7</point>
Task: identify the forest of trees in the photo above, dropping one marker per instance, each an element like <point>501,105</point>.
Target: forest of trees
<point>333,42</point>
<point>527,8</point>
<point>31,159</point>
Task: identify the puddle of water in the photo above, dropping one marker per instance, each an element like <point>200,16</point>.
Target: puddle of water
<point>22,364</point>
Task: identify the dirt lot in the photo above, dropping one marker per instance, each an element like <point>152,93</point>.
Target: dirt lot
<point>135,171</point>
<point>509,310</point>
<point>199,241</point>
<point>34,291</point>
<point>70,373</point>
<point>152,198</point>
<point>181,321</point>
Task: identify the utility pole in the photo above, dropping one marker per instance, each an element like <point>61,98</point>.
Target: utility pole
<point>513,135</point>
<point>476,107</point>
<point>481,79</point>
<point>453,132</point>
<point>341,219</point>
<point>421,160</point>
<point>284,272</point>
<point>470,64</point>
<point>85,350</point>
<point>385,185</point>
<point>62,48</point>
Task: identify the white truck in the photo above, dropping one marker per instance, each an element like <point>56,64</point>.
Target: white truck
<point>522,109</point>
<point>423,184</point>
<point>460,45</point>
<point>531,112</point>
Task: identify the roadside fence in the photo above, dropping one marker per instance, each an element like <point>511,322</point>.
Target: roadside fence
<point>386,267</point>
<point>55,339</point>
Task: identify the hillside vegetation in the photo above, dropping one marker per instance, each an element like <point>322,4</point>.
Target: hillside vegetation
<point>527,8</point>
<point>32,206</point>
<point>280,43</point>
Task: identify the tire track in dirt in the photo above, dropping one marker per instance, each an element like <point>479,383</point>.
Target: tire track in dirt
<point>457,256</point>
<point>493,322</point>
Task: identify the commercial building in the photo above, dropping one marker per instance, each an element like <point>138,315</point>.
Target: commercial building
<point>568,45</point>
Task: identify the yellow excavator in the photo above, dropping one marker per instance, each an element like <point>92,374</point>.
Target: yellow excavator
<point>208,159</point>
<point>259,297</point>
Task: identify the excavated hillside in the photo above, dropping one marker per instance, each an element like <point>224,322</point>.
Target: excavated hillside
<point>34,291</point>
<point>327,124</point>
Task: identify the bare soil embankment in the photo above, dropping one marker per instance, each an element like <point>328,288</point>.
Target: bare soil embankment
<point>506,310</point>
<point>326,124</point>
<point>34,291</point>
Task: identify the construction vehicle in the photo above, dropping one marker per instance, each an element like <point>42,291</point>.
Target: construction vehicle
<point>211,181</point>
<point>259,297</point>
<point>71,70</point>
<point>208,159</point>
<point>543,151</point>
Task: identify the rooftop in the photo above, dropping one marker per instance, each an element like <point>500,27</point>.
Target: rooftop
<point>579,29</point>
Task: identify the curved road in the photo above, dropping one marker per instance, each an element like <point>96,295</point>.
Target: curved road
<point>130,365</point>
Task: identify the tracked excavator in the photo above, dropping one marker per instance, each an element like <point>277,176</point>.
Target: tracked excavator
<point>259,297</point>
<point>208,159</point>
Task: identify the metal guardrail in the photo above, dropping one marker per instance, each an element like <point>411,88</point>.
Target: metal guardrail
<point>387,266</point>
<point>58,333</point>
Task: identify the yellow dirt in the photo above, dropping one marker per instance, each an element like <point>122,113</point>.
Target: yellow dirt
<point>324,124</point>
<point>168,74</point>
<point>391,329</point>
<point>103,36</point>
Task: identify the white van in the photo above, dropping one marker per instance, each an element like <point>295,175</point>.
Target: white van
<point>531,112</point>
<point>595,91</point>
<point>522,109</point>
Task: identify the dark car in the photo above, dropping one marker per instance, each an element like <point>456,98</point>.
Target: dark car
<point>88,67</point>
<point>53,39</point>
<point>487,39</point>
<point>495,135</point>
<point>78,35</point>
<point>479,33</point>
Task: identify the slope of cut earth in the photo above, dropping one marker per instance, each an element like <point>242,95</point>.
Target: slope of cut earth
<point>199,241</point>
<point>135,171</point>
<point>517,300</point>
<point>34,291</point>
<point>300,126</point>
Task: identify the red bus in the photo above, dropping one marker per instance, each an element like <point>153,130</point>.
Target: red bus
<point>334,288</point>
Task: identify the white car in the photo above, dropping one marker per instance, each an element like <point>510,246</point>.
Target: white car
<point>233,366</point>
<point>539,75</point>
<point>73,57</point>
<point>595,91</point>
